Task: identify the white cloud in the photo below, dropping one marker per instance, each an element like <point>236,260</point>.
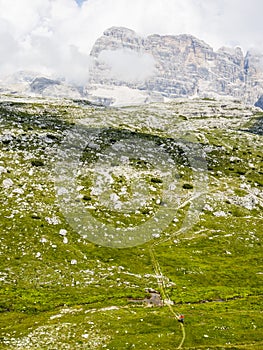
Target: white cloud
<point>56,36</point>
<point>127,65</point>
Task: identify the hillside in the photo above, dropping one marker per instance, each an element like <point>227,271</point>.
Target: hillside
<point>108,211</point>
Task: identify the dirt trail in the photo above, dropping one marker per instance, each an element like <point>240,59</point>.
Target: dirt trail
<point>164,294</point>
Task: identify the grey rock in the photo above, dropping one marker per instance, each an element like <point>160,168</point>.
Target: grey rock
<point>259,102</point>
<point>38,85</point>
<point>185,66</point>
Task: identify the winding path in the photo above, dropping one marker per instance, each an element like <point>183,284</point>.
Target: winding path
<point>164,294</point>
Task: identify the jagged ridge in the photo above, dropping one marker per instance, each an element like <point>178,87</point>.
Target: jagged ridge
<point>185,66</point>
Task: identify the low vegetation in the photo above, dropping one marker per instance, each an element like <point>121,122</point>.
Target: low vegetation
<point>60,290</point>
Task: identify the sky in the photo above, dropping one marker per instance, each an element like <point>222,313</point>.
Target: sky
<point>55,36</point>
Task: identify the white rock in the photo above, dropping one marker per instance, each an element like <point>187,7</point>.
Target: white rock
<point>63,232</point>
<point>18,191</point>
<point>62,191</point>
<point>156,235</point>
<point>172,187</point>
<point>220,213</point>
<point>208,207</point>
<point>2,170</point>
<point>53,220</point>
<point>233,159</point>
<point>7,183</point>
<point>114,197</point>
<point>73,262</point>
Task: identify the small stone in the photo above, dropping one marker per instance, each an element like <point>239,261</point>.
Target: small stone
<point>208,207</point>
<point>63,232</point>
<point>18,191</point>
<point>156,235</point>
<point>7,183</point>
<point>53,220</point>
<point>2,170</point>
<point>219,213</point>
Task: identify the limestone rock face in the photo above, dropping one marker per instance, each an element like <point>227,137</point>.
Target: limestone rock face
<point>259,102</point>
<point>184,66</point>
<point>39,84</point>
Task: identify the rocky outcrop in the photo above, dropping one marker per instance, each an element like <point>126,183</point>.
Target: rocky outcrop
<point>55,88</point>
<point>38,85</point>
<point>259,102</point>
<point>24,83</point>
<point>185,66</point>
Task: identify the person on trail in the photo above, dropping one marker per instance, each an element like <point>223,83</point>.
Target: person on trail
<point>181,318</point>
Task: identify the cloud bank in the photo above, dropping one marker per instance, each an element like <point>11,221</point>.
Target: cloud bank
<point>127,65</point>
<point>54,37</point>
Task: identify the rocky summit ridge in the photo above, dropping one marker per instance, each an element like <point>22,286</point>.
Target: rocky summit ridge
<point>182,66</point>
<point>185,66</point>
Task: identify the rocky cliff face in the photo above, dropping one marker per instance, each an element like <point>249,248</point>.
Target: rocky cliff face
<point>184,66</point>
<point>129,69</point>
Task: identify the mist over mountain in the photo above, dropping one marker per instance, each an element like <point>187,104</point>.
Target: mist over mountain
<point>184,66</point>
<point>122,64</point>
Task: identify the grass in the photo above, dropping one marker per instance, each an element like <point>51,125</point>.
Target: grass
<point>59,294</point>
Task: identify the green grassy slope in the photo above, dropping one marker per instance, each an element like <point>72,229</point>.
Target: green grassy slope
<point>61,291</point>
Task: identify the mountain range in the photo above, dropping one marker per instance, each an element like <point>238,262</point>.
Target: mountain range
<point>178,66</point>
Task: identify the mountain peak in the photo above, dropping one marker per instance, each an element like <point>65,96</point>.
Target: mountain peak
<point>184,66</point>
<point>119,32</point>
